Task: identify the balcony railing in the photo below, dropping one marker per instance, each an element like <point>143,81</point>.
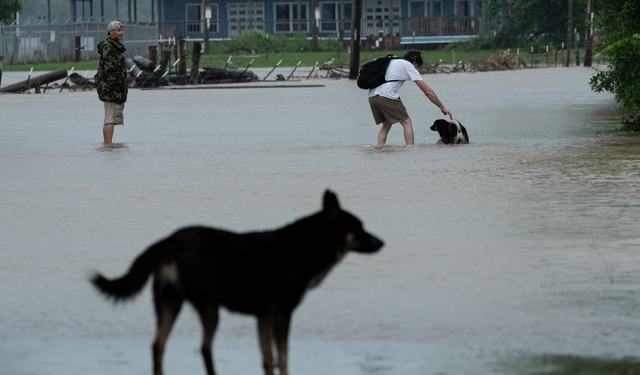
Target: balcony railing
<point>397,27</point>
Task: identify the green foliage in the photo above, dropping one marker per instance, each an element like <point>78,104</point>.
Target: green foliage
<point>258,41</point>
<point>523,20</point>
<point>484,41</point>
<point>539,44</point>
<point>7,10</point>
<point>619,23</point>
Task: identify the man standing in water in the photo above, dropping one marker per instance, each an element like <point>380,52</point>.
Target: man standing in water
<point>112,79</point>
<point>386,105</point>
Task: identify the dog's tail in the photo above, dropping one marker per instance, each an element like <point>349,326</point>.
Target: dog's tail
<point>130,284</point>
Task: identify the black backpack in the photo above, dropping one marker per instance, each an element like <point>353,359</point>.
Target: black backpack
<point>371,74</point>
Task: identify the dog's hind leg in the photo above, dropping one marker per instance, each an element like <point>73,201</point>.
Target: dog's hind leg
<point>168,302</point>
<point>209,319</point>
<point>281,332</point>
<point>265,336</point>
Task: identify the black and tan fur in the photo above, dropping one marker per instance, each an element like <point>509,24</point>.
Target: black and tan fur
<point>264,274</point>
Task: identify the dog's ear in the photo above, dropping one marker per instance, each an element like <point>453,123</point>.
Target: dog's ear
<point>439,123</point>
<point>330,205</point>
<point>464,132</point>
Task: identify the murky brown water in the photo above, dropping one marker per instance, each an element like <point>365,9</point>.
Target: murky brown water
<point>522,244</point>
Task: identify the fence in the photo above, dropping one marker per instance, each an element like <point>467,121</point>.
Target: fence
<point>57,42</point>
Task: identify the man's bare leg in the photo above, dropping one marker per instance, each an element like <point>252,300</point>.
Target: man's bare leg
<point>408,131</point>
<point>382,135</point>
<point>107,131</point>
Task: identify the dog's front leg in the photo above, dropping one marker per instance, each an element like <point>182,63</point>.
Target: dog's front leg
<point>265,335</point>
<point>281,332</point>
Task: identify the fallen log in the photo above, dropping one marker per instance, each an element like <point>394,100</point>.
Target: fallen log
<point>36,81</point>
<point>143,63</point>
<point>212,74</point>
<point>132,68</point>
<point>79,80</point>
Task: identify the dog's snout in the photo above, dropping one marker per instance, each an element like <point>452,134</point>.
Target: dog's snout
<point>376,244</point>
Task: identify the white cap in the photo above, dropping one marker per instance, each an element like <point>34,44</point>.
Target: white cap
<point>113,26</point>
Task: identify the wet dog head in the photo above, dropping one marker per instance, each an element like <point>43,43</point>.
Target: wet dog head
<point>450,132</point>
<point>348,227</point>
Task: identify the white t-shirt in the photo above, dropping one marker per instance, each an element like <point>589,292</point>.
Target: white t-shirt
<point>399,70</point>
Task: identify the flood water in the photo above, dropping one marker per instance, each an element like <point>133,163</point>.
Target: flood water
<point>515,254</point>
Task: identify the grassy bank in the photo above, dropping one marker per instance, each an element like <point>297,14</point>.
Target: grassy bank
<point>270,60</point>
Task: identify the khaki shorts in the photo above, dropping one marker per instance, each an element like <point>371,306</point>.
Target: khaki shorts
<point>385,109</point>
<point>113,113</point>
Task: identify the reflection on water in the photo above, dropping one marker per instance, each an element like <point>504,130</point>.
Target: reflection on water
<point>112,147</point>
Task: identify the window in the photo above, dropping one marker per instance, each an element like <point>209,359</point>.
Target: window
<point>193,13</point>
<point>291,19</point>
<point>463,8</point>
<point>333,16</point>
<point>477,8</point>
<point>244,17</point>
<point>417,9</point>
<point>437,9</point>
<point>382,14</point>
<point>194,18</point>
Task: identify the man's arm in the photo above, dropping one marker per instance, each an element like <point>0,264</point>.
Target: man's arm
<point>433,97</point>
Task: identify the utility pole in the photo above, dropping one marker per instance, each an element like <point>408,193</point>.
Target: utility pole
<point>72,3</point>
<point>356,12</point>
<point>588,38</point>
<point>16,39</point>
<point>314,41</point>
<point>569,31</point>
<point>205,26</point>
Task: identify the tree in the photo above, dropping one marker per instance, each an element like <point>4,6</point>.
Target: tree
<point>528,19</point>
<point>618,21</point>
<point>7,9</point>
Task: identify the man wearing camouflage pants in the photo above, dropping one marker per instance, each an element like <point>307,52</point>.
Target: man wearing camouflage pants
<point>112,79</point>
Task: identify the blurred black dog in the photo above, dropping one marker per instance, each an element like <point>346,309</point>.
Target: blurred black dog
<point>450,132</point>
<point>265,274</point>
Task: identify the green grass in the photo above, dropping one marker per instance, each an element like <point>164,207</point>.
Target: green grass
<point>79,66</point>
<point>307,59</point>
<point>270,60</point>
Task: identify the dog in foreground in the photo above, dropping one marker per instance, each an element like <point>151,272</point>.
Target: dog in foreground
<point>265,274</point>
<point>450,132</point>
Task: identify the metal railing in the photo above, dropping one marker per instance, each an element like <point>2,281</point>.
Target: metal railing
<point>43,42</point>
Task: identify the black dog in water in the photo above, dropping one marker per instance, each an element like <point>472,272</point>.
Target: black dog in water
<point>264,274</point>
<point>450,132</point>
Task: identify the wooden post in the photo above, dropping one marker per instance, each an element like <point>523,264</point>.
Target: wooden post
<point>78,46</point>
<point>176,37</point>
<point>354,66</point>
<point>153,54</point>
<point>195,64</point>
<point>577,49</point>
<point>182,65</point>
<point>164,61</point>
<point>588,37</point>
<point>569,32</point>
